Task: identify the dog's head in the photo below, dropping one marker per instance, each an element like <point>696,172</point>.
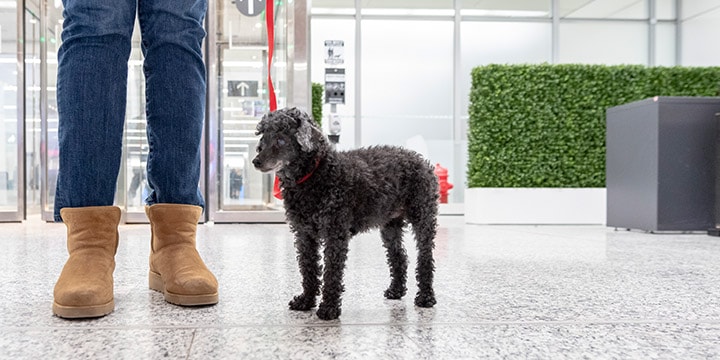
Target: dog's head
<point>288,136</point>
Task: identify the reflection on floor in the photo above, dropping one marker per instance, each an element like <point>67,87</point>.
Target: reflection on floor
<point>544,292</point>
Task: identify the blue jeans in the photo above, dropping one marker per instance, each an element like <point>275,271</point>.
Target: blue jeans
<point>92,92</point>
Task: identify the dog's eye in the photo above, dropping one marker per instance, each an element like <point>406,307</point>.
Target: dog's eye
<point>281,142</point>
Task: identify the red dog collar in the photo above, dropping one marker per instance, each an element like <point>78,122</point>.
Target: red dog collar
<point>277,190</point>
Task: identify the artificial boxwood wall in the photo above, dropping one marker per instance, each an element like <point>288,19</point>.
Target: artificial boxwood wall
<point>317,101</point>
<point>544,125</point>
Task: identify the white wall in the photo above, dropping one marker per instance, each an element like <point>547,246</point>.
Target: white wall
<point>700,31</point>
<point>610,43</point>
<point>407,81</point>
<point>665,44</point>
<point>693,8</point>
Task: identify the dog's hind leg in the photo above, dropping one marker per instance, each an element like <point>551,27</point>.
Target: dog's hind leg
<point>308,251</point>
<point>335,255</point>
<point>424,225</point>
<point>392,234</point>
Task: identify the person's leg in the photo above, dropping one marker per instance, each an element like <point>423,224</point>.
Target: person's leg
<point>172,34</point>
<point>91,96</point>
<point>92,81</point>
<point>135,182</point>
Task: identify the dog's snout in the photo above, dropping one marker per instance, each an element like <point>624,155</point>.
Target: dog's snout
<point>256,162</point>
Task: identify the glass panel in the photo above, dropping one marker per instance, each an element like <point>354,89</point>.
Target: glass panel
<point>333,7</point>
<point>603,42</point>
<point>243,100</point>
<point>507,8</point>
<point>665,44</point>
<point>606,9</point>
<point>341,30</point>
<point>665,9</point>
<point>32,109</point>
<point>135,137</point>
<point>691,9</point>
<point>408,7</point>
<point>698,39</point>
<point>395,110</point>
<point>54,40</point>
<point>9,166</point>
<point>242,104</point>
<point>41,120</point>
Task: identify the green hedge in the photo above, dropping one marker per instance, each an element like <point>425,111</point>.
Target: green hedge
<point>317,102</point>
<point>544,125</point>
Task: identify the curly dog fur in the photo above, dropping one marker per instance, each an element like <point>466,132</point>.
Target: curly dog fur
<point>330,196</point>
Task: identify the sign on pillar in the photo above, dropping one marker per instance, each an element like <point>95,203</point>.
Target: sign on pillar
<point>250,7</point>
<point>334,84</point>
<point>242,88</point>
<point>334,52</point>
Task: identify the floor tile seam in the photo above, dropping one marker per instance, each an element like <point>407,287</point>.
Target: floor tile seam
<point>413,340</point>
<point>334,325</point>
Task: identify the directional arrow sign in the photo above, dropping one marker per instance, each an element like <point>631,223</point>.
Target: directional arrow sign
<point>242,88</point>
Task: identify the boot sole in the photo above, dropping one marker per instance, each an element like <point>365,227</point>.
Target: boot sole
<point>156,283</point>
<point>79,312</point>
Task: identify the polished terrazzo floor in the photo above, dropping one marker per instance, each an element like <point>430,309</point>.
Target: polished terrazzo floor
<point>516,292</point>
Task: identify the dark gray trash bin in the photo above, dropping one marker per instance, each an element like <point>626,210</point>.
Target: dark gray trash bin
<point>660,164</point>
<point>715,229</point>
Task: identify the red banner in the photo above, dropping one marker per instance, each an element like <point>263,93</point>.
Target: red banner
<point>270,20</point>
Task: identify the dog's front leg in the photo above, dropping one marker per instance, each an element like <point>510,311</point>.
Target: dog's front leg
<point>336,249</point>
<point>308,250</point>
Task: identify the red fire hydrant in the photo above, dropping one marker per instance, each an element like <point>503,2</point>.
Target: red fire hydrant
<point>445,186</point>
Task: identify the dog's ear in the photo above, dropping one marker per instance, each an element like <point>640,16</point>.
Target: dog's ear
<point>262,125</point>
<point>304,136</point>
<point>305,129</point>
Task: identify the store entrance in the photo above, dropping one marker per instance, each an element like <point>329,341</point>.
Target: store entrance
<point>236,52</point>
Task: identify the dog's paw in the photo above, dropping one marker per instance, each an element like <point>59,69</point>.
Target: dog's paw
<point>327,312</point>
<point>302,303</point>
<point>395,293</point>
<point>425,300</point>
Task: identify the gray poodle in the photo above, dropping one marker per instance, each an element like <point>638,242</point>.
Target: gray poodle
<point>330,196</point>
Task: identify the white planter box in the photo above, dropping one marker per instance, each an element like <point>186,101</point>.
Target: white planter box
<point>535,206</point>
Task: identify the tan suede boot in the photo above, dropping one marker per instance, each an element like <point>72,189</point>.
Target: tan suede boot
<point>85,286</point>
<point>176,268</point>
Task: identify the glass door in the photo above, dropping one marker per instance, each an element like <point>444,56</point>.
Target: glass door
<point>242,102</point>
<point>43,30</point>
<point>33,122</point>
<point>50,40</point>
<point>43,24</point>
<point>32,106</point>
<point>132,180</point>
<point>237,61</point>
<point>238,99</point>
<point>12,177</point>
